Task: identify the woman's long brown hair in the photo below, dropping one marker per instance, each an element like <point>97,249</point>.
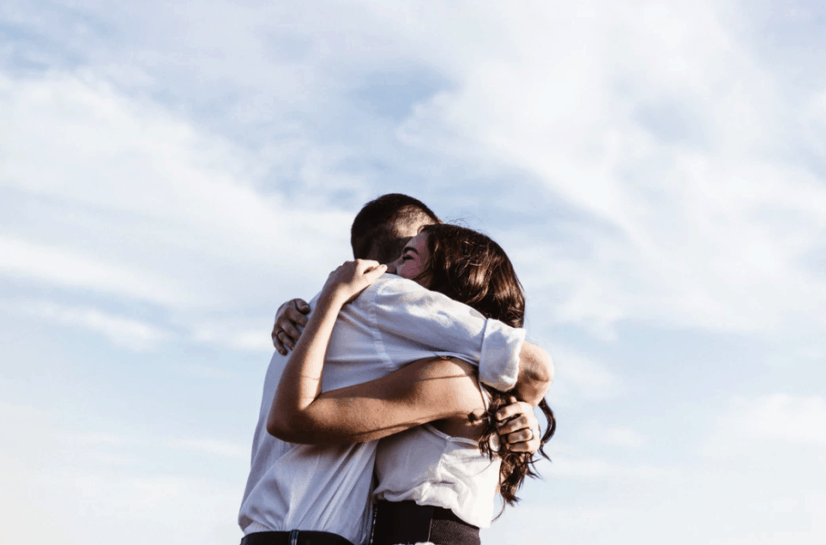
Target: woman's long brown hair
<point>469,267</point>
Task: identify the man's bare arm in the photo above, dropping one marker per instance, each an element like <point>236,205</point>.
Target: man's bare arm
<point>536,371</point>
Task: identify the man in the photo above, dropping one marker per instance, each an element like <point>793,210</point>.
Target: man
<point>326,489</point>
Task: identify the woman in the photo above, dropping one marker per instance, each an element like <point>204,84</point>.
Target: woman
<point>440,479</point>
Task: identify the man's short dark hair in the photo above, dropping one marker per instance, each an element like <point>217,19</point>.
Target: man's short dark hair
<point>375,231</point>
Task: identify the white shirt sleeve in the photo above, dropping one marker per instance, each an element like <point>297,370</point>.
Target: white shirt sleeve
<point>403,308</point>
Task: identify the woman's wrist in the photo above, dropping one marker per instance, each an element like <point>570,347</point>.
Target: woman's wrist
<point>331,300</point>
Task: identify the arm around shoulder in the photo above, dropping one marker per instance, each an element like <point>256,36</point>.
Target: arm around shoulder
<point>423,391</point>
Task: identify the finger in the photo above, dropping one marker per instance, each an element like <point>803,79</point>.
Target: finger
<point>523,441</point>
<point>288,343</point>
<point>301,306</point>
<point>285,339</point>
<point>531,420</point>
<point>290,331</point>
<point>521,436</point>
<point>523,447</point>
<point>364,265</point>
<point>276,342</point>
<point>509,411</point>
<point>534,444</point>
<point>517,423</point>
<point>297,317</point>
<point>372,274</point>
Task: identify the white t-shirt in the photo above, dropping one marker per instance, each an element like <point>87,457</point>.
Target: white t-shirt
<point>430,467</point>
<point>393,322</point>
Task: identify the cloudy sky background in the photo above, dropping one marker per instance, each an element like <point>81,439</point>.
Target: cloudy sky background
<point>170,173</point>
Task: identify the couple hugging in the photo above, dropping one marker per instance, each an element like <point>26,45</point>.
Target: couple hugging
<point>395,418</point>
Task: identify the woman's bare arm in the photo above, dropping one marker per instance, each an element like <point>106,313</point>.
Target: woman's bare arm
<point>421,392</point>
<point>429,390</point>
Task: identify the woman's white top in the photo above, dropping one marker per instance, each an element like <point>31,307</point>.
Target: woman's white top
<point>430,467</point>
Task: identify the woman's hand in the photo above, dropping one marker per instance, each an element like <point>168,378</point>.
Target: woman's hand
<point>351,278</point>
<point>518,427</point>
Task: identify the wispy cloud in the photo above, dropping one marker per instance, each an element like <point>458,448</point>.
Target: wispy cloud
<point>751,423</point>
<point>137,203</point>
<point>572,464</point>
<point>617,436</point>
<point>578,377</point>
<point>212,447</point>
<point>235,336</point>
<point>69,267</point>
<point>127,332</point>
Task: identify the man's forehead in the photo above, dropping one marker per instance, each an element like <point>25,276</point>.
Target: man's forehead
<point>410,229</point>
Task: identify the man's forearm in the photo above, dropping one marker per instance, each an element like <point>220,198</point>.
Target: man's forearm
<point>536,371</point>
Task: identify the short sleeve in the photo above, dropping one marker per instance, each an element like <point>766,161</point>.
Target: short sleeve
<point>404,308</point>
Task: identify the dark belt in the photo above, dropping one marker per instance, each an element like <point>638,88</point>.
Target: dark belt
<point>294,537</point>
<point>407,522</point>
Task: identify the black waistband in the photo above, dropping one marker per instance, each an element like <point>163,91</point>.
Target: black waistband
<point>294,538</point>
<point>406,522</point>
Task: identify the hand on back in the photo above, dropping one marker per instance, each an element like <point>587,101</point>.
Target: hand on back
<point>343,284</point>
<point>290,316</point>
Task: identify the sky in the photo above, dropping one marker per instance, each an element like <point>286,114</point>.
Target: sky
<point>170,173</point>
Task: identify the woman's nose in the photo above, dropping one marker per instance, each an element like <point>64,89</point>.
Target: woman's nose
<point>391,267</point>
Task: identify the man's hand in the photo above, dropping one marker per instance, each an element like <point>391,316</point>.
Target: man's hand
<point>518,427</point>
<point>285,332</point>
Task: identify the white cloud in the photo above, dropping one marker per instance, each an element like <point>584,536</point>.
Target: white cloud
<point>617,436</point>
<point>784,421</point>
<point>88,505</point>
<point>208,372</point>
<point>93,484</point>
<point>662,129</point>
<point>571,465</point>
<point>127,332</point>
<point>118,196</point>
<point>70,268</point>
<point>213,447</point>
<point>578,377</point>
<point>235,336</point>
<point>658,124</point>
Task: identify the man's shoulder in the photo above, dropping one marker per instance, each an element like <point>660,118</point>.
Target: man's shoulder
<point>391,290</point>
<point>394,289</point>
<point>391,283</point>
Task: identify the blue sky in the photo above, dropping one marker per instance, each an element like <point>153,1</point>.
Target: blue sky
<point>169,174</point>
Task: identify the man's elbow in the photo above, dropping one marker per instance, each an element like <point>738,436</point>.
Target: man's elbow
<point>283,428</point>
<point>535,365</point>
<point>543,371</point>
<point>536,371</point>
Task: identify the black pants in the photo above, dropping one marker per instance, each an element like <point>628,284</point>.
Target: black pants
<point>294,538</point>
<point>406,522</point>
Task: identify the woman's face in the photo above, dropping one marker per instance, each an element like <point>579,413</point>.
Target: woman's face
<point>413,260</point>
